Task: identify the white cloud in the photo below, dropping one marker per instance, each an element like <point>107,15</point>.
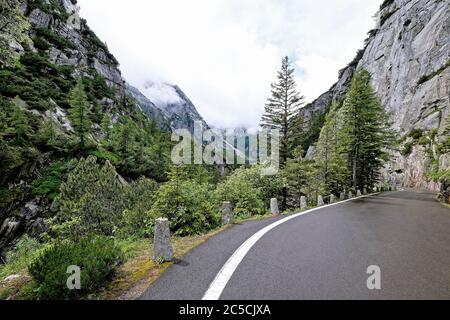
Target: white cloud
<point>225,53</point>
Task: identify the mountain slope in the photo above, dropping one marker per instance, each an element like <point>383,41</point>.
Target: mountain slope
<point>35,98</point>
<point>169,104</point>
<point>408,56</point>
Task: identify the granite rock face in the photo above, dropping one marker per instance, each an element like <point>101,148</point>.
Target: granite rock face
<point>408,56</point>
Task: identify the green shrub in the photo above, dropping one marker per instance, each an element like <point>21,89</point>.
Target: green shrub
<point>91,201</point>
<point>50,181</point>
<point>243,191</point>
<point>190,207</point>
<point>54,38</point>
<point>416,134</point>
<point>407,149</point>
<point>97,257</point>
<point>136,219</point>
<point>41,44</point>
<point>17,259</point>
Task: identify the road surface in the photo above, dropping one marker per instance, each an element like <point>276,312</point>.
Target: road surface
<point>325,254</point>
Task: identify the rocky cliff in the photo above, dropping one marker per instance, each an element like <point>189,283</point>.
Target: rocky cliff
<point>62,48</point>
<point>408,55</point>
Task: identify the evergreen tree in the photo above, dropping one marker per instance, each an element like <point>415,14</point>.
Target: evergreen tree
<point>281,110</point>
<point>79,113</point>
<point>13,29</point>
<point>91,201</point>
<point>106,129</point>
<point>363,134</point>
<point>47,132</point>
<point>19,124</point>
<point>331,164</point>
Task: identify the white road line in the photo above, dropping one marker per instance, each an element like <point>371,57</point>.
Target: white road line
<point>220,281</point>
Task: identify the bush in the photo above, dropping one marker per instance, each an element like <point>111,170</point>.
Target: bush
<point>91,201</point>
<point>242,190</point>
<point>54,38</point>
<point>97,257</point>
<point>189,205</point>
<point>50,181</point>
<point>20,256</point>
<point>136,219</point>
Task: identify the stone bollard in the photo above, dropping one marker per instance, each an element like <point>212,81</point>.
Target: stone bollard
<point>358,193</point>
<point>331,198</point>
<point>274,206</point>
<point>303,204</point>
<point>342,196</point>
<point>364,191</point>
<point>320,201</point>
<point>162,244</point>
<point>227,213</point>
<point>350,195</point>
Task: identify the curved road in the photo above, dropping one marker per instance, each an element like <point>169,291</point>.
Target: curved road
<point>325,254</point>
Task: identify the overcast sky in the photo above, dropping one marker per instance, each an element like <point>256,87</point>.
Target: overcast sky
<point>225,53</point>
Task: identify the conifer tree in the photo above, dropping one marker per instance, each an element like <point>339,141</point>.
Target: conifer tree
<point>363,134</point>
<point>19,125</point>
<point>281,110</point>
<point>79,113</point>
<point>331,164</point>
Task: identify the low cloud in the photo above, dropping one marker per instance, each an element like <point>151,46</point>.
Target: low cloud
<point>225,53</point>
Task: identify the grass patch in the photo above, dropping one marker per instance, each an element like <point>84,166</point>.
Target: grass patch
<point>140,271</point>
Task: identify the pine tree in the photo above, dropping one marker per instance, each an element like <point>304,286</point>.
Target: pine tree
<point>19,124</point>
<point>363,134</point>
<point>106,128</point>
<point>281,110</point>
<point>47,132</point>
<point>331,164</point>
<point>13,29</point>
<point>79,113</point>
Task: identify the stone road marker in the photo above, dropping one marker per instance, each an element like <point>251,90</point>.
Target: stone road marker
<point>303,204</point>
<point>331,198</point>
<point>227,213</point>
<point>320,201</point>
<point>162,244</point>
<point>274,206</point>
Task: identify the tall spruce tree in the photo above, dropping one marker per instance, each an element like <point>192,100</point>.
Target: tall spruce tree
<point>363,134</point>
<point>281,110</point>
<point>79,113</point>
<point>331,165</point>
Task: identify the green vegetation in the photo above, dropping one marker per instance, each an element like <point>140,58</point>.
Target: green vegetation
<point>433,74</point>
<point>79,113</point>
<point>282,110</point>
<point>47,35</point>
<point>49,182</point>
<point>14,27</point>
<point>97,257</point>
<point>18,259</point>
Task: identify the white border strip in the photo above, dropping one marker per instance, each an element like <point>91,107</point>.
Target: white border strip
<point>220,281</point>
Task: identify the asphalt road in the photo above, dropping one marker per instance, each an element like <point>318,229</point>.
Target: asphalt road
<point>325,254</point>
